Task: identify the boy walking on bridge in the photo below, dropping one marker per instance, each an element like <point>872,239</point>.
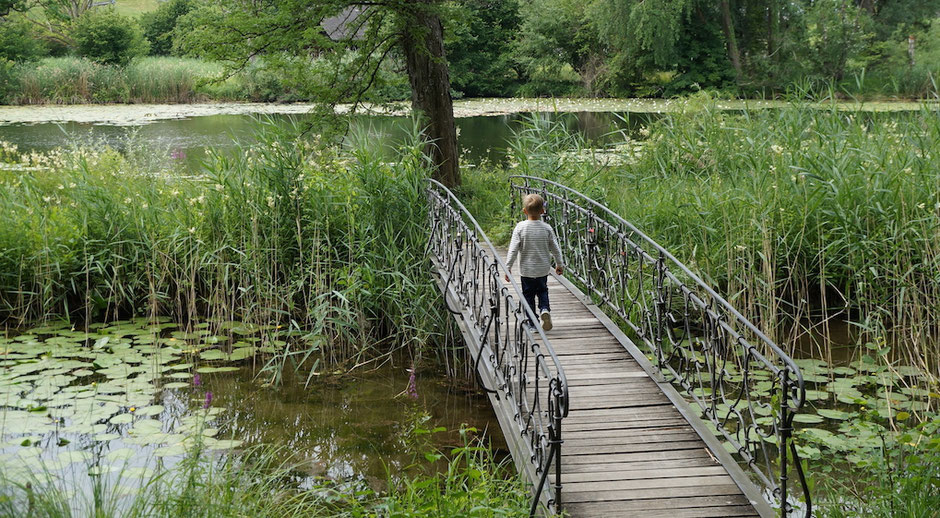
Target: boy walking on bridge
<point>534,243</point>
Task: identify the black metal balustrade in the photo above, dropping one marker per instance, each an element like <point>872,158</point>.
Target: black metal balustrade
<point>744,384</point>
<point>530,381</point>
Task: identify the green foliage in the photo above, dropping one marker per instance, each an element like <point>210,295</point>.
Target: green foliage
<point>555,35</point>
<point>159,25</point>
<point>479,44</point>
<point>286,232</point>
<point>837,34</point>
<point>19,40</point>
<point>897,473</point>
<point>108,37</point>
<point>262,482</point>
<point>144,80</point>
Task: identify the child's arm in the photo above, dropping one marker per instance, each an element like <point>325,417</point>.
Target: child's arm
<point>556,253</point>
<point>513,249</point>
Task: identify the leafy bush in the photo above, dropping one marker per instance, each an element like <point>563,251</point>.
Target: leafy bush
<point>109,37</point>
<point>159,25</point>
<point>19,41</point>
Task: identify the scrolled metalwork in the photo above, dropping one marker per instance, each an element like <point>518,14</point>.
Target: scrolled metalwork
<point>744,384</point>
<point>530,378</point>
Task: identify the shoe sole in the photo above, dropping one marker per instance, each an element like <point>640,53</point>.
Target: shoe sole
<point>546,321</point>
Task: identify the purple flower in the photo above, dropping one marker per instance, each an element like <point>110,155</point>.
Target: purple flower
<point>208,400</point>
<point>412,385</point>
<point>196,380</point>
<point>177,154</point>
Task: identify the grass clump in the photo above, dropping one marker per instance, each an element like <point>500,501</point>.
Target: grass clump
<point>265,481</point>
<point>286,232</point>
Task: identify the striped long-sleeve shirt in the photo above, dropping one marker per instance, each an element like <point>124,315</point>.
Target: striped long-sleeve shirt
<point>535,244</point>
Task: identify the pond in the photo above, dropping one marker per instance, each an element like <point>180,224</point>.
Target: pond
<point>132,395</point>
<point>185,140</point>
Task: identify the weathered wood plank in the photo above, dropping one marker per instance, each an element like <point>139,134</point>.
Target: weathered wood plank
<point>694,502</point>
<point>659,492</point>
<point>653,471</point>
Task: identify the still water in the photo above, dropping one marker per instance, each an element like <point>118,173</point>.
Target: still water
<point>127,398</point>
<point>481,138</point>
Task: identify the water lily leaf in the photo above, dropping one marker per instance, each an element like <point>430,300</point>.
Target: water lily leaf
<point>837,415</point>
<point>213,444</point>
<point>807,418</point>
<point>105,437</point>
<point>176,385</point>
<point>170,451</point>
<point>122,419</point>
<point>209,370</point>
<point>212,354</point>
<point>150,410</point>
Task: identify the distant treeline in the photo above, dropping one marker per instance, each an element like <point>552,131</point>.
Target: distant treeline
<point>622,48</point>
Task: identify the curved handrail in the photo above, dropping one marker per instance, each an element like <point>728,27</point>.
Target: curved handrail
<point>476,272</point>
<point>687,339</point>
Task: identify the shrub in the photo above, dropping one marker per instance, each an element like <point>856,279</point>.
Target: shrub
<point>19,41</point>
<point>109,37</point>
<point>159,25</point>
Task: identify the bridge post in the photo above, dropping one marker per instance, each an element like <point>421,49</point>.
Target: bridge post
<point>785,430</point>
<point>660,311</point>
<point>556,392</point>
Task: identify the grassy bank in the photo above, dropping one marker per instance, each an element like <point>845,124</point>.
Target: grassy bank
<point>285,233</point>
<point>264,482</point>
<point>72,80</point>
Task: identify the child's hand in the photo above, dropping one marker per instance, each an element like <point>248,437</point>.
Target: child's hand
<point>559,270</point>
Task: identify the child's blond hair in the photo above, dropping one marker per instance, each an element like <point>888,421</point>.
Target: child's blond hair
<point>533,204</point>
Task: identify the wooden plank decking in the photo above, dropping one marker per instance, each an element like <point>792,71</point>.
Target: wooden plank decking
<point>628,450</point>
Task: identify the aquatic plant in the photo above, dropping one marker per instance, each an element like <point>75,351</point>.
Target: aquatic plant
<point>287,233</point>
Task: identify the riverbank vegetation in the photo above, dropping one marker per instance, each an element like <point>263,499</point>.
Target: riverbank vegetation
<point>602,48</point>
<point>267,481</point>
<point>821,226</point>
<point>289,232</point>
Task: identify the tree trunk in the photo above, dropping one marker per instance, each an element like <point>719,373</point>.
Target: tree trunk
<point>423,45</point>
<point>772,18</point>
<point>727,25</point>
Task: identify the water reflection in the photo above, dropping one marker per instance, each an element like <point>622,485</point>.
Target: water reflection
<point>185,141</point>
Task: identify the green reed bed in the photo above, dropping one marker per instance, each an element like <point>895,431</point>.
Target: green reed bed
<point>804,213</point>
<point>802,216</point>
<point>72,80</point>
<point>285,232</point>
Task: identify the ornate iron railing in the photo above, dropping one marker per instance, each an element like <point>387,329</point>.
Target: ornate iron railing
<point>744,384</point>
<point>529,377</point>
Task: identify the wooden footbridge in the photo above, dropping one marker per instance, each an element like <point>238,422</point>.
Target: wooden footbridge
<point>651,396</point>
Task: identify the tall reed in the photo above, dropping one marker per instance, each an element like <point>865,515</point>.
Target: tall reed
<point>807,213</point>
<point>283,233</point>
